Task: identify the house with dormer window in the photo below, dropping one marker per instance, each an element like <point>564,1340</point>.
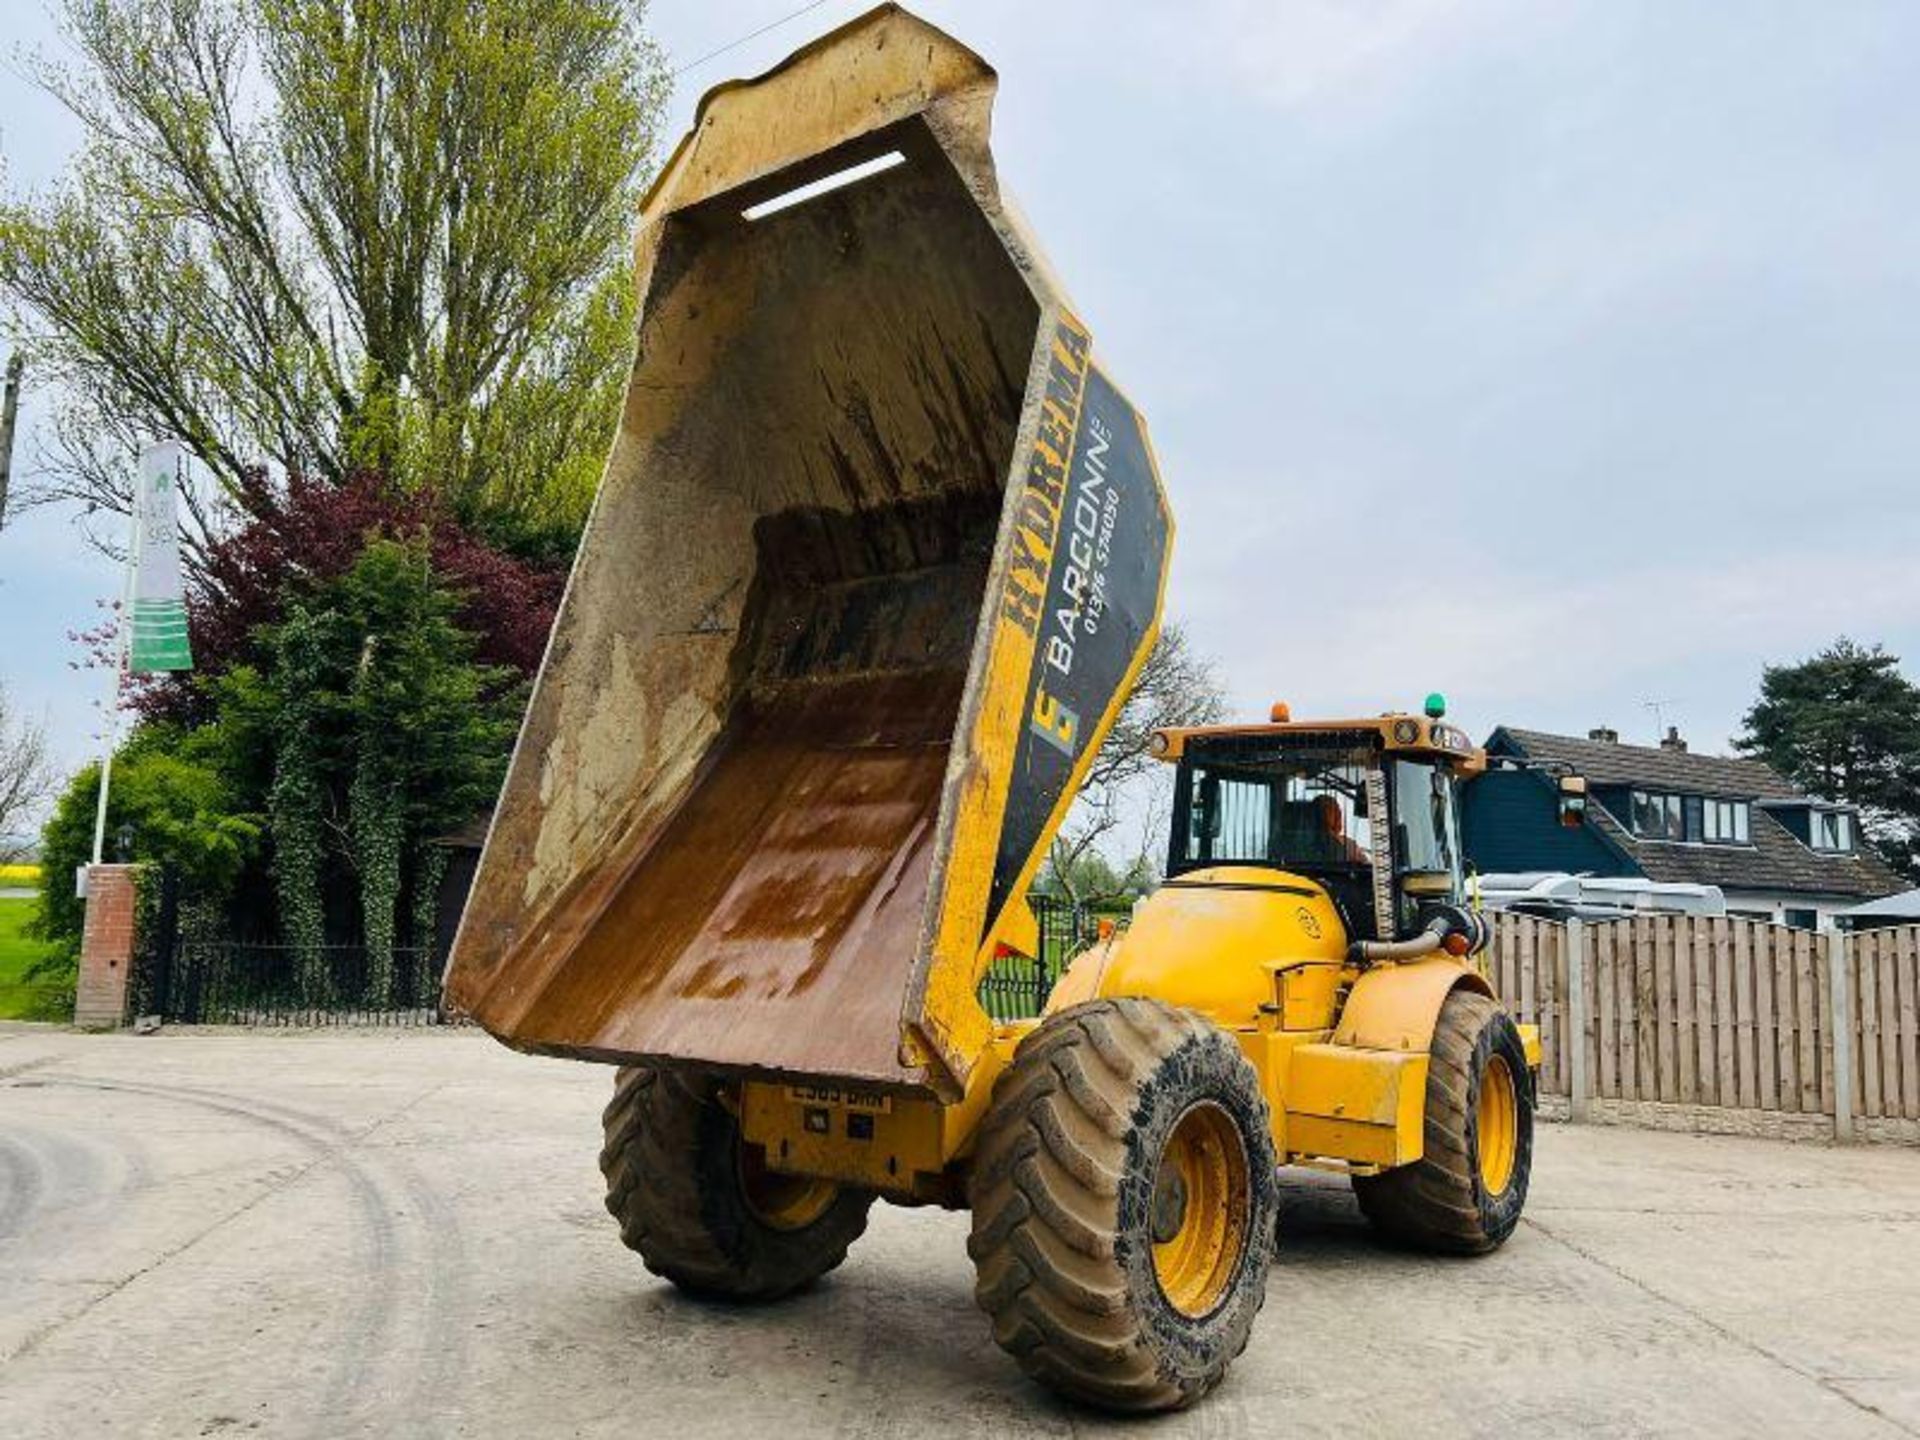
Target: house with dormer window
<point>1664,814</point>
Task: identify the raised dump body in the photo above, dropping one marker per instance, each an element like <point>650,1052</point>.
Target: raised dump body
<point>875,557</point>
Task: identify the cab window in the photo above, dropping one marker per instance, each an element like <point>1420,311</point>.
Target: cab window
<point>1297,810</point>
<point>1426,842</point>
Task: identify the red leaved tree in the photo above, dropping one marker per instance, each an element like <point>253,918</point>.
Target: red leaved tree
<point>309,532</point>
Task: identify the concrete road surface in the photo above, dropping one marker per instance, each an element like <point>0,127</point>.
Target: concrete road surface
<point>334,1234</point>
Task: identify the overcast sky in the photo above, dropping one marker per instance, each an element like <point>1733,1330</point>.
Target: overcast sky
<point>1560,356</point>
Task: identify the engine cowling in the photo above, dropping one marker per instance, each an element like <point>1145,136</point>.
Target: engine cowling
<point>1210,940</point>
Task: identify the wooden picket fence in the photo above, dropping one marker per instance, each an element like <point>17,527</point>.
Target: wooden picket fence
<point>1725,1017</point>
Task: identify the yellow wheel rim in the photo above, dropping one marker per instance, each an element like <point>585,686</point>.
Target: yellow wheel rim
<point>1201,1209</point>
<point>782,1202</point>
<point>1499,1125</point>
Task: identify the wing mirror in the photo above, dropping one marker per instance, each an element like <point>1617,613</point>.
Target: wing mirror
<point>1573,799</point>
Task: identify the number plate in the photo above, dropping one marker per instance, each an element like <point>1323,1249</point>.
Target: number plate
<point>845,1097</point>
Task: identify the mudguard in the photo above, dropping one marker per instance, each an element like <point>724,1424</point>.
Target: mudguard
<point>1395,1007</point>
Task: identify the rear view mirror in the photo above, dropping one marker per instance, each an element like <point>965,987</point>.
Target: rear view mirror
<point>1573,799</point>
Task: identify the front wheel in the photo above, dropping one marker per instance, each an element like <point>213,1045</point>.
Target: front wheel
<point>1124,1198</point>
<point>1464,1195</point>
<point>699,1204</point>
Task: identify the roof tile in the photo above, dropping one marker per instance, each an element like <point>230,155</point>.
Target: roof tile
<point>1608,762</point>
<point>1776,860</point>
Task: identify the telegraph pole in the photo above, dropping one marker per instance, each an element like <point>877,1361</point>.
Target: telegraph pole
<point>9,409</point>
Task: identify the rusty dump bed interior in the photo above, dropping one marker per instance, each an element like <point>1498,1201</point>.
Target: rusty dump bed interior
<point>736,791</point>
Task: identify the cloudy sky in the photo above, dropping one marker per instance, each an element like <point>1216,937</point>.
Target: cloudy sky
<point>1562,355</point>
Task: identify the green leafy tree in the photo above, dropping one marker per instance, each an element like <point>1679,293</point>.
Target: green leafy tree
<point>1845,725</point>
<point>371,730</point>
<point>389,235</point>
<point>430,746</point>
<point>290,723</point>
<point>170,804</point>
<point>1090,878</point>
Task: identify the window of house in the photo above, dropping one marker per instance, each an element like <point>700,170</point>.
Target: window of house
<point>1831,830</point>
<point>1658,817</point>
<point>1725,822</point>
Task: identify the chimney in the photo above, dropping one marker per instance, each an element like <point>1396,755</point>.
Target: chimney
<point>1673,741</point>
<point>1606,734</point>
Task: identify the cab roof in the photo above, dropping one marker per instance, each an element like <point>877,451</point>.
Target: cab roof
<point>1395,731</point>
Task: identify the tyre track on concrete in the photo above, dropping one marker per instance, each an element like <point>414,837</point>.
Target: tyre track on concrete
<point>318,1150</point>
<point>438,1341</point>
<point>419,1353</point>
<point>8,1072</point>
<point>422,1359</point>
<point>22,1184</point>
<point>53,1182</point>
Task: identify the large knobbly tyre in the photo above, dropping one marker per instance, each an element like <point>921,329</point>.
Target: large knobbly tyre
<point>1124,1200</point>
<point>1465,1194</point>
<point>701,1208</point>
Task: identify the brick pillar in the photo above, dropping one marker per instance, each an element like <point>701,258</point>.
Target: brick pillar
<point>106,949</point>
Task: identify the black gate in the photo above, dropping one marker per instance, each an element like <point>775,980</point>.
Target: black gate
<point>199,980</point>
<point>1016,987</point>
<point>193,979</point>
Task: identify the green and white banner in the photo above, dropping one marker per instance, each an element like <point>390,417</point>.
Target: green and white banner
<point>159,608</point>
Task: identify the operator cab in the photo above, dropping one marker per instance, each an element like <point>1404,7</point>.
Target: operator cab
<point>1364,808</point>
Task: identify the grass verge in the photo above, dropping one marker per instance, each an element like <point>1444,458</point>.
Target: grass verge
<point>20,997</point>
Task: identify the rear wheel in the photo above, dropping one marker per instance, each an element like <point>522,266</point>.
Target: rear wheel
<point>1123,1199</point>
<point>1465,1194</point>
<point>700,1205</point>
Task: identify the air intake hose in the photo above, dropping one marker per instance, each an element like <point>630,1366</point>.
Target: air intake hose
<point>1454,928</point>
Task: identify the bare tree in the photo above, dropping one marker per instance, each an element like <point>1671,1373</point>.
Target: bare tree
<point>319,238</point>
<point>1177,686</point>
<point>26,778</point>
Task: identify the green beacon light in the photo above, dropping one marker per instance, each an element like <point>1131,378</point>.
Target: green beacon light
<point>1436,705</point>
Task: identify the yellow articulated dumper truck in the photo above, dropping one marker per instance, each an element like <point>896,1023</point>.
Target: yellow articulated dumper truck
<point>877,555</point>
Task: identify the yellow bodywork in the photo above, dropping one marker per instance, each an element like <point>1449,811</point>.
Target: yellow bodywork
<point>1341,1052</point>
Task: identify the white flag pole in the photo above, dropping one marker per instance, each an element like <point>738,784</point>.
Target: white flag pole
<point>123,638</point>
